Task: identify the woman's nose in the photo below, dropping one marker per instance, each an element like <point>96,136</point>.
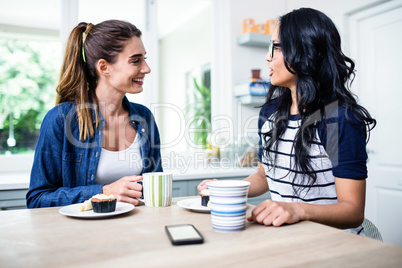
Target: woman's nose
<point>268,57</point>
<point>145,68</point>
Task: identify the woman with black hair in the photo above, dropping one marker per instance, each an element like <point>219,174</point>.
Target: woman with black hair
<point>313,133</point>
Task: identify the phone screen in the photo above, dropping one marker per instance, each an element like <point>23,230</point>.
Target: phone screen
<point>183,234</point>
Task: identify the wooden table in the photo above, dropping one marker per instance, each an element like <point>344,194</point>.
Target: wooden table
<point>45,238</point>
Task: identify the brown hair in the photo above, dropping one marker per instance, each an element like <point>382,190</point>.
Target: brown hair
<point>78,76</point>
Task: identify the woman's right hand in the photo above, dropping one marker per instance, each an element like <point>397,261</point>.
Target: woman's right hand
<point>127,189</point>
<point>203,185</point>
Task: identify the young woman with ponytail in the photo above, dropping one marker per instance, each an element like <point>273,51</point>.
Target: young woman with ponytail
<point>94,140</point>
<point>313,133</point>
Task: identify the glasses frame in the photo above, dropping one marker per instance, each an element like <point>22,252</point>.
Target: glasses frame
<point>271,47</point>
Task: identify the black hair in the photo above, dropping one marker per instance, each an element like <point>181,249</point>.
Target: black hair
<point>311,48</point>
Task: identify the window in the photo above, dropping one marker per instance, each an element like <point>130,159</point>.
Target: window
<point>28,74</point>
<point>198,108</point>
<point>30,59</point>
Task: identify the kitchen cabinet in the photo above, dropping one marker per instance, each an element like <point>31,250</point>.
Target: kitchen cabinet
<point>13,199</point>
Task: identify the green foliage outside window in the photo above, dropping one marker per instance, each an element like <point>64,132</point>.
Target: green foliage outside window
<point>201,112</point>
<point>28,77</point>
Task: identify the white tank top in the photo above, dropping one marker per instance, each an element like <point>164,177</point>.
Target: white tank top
<point>114,165</point>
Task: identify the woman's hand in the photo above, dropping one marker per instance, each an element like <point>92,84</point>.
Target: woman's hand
<point>127,189</point>
<point>203,185</point>
<point>275,213</point>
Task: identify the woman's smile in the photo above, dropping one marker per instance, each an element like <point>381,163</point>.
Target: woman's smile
<point>139,81</point>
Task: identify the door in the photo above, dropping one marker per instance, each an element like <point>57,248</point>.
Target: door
<point>376,46</point>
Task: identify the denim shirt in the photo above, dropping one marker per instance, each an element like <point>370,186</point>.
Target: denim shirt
<point>64,167</point>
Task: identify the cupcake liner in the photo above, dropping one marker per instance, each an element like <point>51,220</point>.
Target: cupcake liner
<point>104,206</point>
<point>204,200</point>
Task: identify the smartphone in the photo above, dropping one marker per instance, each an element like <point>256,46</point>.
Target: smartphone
<point>183,234</point>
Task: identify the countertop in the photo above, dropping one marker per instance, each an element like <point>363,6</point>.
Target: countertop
<point>20,180</point>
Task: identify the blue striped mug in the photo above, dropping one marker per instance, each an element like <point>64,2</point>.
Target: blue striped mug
<point>228,204</point>
<point>157,189</point>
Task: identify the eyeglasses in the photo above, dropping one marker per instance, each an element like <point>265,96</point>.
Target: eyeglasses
<point>272,47</point>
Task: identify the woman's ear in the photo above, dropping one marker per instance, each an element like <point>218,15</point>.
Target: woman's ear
<point>102,67</point>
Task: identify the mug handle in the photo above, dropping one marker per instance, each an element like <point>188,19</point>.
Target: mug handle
<point>142,193</point>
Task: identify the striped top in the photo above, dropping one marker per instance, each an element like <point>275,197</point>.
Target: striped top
<point>283,177</point>
<point>338,150</point>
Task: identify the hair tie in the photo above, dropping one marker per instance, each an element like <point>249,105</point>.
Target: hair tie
<point>84,36</point>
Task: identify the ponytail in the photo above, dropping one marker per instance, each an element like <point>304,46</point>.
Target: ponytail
<point>73,83</point>
<point>86,45</point>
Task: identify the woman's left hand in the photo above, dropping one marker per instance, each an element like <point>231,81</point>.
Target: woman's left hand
<point>275,213</point>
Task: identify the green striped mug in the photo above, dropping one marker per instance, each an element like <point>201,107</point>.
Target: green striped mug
<point>157,189</point>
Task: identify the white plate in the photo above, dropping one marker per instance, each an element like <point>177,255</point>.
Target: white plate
<point>193,204</point>
<point>73,211</point>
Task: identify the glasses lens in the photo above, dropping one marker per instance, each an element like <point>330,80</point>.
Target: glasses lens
<point>271,49</point>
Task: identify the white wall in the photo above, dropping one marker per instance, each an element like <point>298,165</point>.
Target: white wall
<point>185,49</point>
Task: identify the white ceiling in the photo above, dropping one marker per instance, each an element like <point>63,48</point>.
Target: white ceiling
<point>46,13</point>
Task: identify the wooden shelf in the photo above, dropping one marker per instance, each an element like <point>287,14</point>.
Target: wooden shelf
<point>253,39</point>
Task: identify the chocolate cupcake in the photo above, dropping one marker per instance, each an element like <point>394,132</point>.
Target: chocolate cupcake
<point>103,203</point>
<point>204,197</point>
